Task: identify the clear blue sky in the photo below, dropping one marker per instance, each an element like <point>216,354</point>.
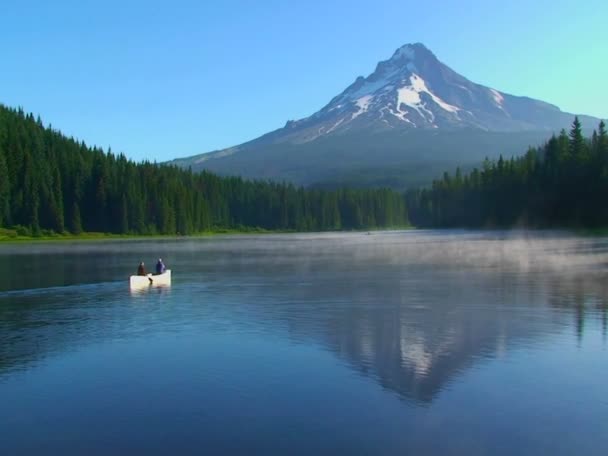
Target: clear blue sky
<point>168,79</point>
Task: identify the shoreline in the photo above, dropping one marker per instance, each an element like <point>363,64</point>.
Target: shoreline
<point>85,237</point>
<point>6,238</point>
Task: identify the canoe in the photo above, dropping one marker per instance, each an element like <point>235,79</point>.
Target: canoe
<point>151,280</point>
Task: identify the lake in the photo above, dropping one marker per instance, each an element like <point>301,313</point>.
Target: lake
<point>415,342</point>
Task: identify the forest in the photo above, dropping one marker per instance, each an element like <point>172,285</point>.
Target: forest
<point>53,184</point>
<point>563,183</point>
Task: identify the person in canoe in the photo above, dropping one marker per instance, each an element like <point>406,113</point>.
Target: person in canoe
<point>160,267</point>
<point>141,269</point>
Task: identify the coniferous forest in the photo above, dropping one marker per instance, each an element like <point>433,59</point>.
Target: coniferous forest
<point>51,183</point>
<point>564,183</point>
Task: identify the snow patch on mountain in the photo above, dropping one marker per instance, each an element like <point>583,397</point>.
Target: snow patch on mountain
<point>363,104</point>
<point>420,86</point>
<point>498,98</point>
<point>401,114</point>
<point>333,127</point>
<point>409,95</point>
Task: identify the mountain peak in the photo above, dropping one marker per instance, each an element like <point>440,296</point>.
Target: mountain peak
<point>411,51</point>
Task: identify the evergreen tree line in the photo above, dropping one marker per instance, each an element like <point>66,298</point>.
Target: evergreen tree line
<point>563,183</point>
<point>51,182</point>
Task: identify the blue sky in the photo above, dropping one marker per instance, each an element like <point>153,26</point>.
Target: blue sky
<point>160,80</point>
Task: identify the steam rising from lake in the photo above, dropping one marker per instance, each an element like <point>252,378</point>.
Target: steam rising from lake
<point>520,250</point>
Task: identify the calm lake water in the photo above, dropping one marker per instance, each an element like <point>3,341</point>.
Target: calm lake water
<point>433,343</point>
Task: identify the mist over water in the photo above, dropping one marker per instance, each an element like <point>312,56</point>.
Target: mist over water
<point>318,343</point>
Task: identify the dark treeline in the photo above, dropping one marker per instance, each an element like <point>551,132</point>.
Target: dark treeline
<point>50,182</point>
<point>563,183</point>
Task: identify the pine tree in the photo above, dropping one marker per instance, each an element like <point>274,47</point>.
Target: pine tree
<point>602,140</point>
<point>4,190</point>
<point>124,215</point>
<point>577,141</point>
<point>56,202</point>
<point>594,142</point>
<point>75,223</point>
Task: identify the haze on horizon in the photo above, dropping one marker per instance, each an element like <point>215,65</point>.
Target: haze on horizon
<point>160,80</point>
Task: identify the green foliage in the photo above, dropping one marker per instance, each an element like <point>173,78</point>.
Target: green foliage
<point>4,190</point>
<point>563,183</point>
<point>23,231</point>
<point>52,183</point>
<point>76,223</point>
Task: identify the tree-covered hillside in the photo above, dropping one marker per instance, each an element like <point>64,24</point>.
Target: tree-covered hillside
<point>50,182</point>
<point>563,183</point>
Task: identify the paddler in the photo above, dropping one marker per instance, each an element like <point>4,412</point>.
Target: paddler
<point>160,267</point>
<point>141,270</point>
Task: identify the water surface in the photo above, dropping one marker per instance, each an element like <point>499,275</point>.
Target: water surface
<point>391,343</point>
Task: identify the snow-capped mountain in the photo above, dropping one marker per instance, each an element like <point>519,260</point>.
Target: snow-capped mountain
<point>413,89</point>
<point>411,100</point>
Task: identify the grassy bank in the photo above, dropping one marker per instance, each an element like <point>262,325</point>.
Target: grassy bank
<point>593,232</point>
<point>17,235</point>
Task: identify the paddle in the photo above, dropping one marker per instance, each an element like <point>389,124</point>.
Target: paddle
<point>150,279</point>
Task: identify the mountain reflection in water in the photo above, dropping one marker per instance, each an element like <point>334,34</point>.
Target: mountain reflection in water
<point>410,310</point>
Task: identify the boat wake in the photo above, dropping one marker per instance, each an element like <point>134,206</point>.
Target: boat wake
<point>73,288</point>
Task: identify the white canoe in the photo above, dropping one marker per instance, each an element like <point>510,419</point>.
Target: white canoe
<point>151,280</point>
